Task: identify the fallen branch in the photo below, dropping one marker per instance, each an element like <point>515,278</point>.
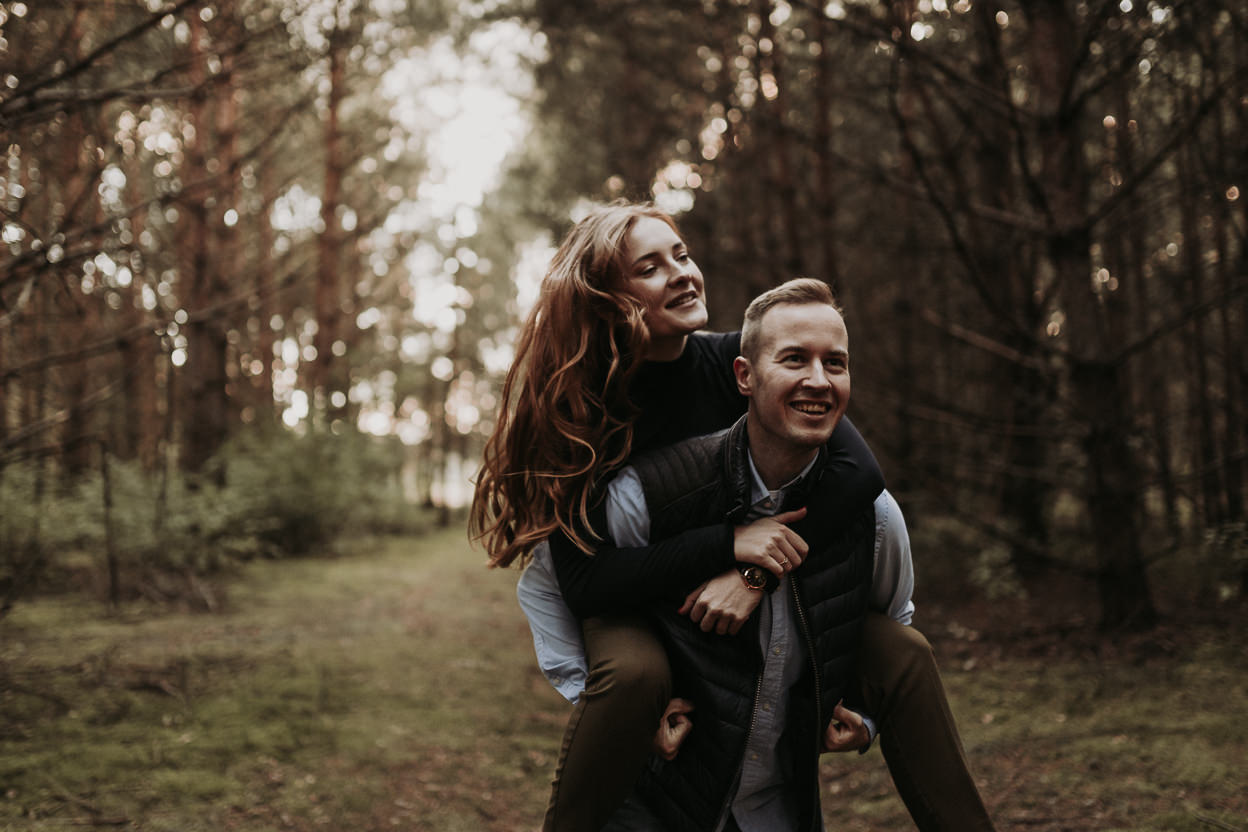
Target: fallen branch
<point>1215,823</point>
<point>97,814</point>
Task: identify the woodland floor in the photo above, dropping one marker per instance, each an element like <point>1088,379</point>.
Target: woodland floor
<point>395,688</point>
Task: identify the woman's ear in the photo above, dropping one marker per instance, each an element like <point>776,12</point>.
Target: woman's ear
<point>741,369</point>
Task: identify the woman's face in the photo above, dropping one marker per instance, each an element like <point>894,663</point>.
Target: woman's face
<point>659,272</point>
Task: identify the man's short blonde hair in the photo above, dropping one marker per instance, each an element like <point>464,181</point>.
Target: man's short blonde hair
<point>801,290</point>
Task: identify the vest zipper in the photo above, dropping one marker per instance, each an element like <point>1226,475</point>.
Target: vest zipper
<point>736,780</point>
<point>814,660</point>
<point>814,666</point>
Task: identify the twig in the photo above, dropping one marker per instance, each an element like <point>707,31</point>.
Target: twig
<point>95,811</point>
<point>1215,823</point>
<point>85,63</point>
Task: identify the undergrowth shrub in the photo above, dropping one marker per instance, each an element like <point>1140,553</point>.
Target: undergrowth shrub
<point>266,494</point>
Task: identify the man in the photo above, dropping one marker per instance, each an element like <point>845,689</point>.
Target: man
<point>769,666</point>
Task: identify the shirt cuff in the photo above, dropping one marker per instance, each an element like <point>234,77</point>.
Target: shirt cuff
<point>871,732</point>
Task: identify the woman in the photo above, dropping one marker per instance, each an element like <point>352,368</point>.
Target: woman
<point>608,365</point>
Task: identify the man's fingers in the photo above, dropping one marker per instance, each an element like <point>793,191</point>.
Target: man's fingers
<point>847,731</point>
<point>787,517</point>
<point>792,555</point>
<point>679,706</point>
<point>674,727</point>
<point>796,541</point>
<point>842,714</point>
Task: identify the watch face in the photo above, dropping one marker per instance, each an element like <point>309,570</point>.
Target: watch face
<point>754,577</point>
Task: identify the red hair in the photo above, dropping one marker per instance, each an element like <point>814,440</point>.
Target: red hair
<point>566,420</point>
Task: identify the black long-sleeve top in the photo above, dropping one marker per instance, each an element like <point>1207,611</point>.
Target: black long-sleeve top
<point>694,395</point>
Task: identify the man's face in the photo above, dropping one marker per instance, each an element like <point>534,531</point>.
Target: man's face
<point>798,382</point>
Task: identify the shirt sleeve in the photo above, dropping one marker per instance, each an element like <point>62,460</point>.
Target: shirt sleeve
<point>628,518</point>
<point>892,585</point>
<point>556,631</point>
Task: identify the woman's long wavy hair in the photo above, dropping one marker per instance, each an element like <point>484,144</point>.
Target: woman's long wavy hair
<point>566,419</point>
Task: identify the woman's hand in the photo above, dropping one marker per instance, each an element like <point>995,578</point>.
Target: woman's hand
<point>674,726</point>
<point>722,604</point>
<point>769,543</point>
<point>846,731</point>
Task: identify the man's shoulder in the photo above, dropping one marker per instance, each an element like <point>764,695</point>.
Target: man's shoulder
<point>714,349</point>
<point>680,460</point>
<point>667,474</point>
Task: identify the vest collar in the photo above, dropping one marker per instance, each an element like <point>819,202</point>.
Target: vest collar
<point>739,480</point>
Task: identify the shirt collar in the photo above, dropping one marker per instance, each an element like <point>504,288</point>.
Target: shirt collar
<point>760,492</point>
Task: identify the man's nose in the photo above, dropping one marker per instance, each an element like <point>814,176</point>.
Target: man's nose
<point>817,376</point>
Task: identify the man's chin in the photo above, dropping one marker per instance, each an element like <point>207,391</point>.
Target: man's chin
<point>812,436</point>
<point>809,439</point>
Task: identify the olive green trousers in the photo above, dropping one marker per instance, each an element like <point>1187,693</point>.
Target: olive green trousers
<point>609,734</point>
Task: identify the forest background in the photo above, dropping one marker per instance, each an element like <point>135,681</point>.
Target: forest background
<point>263,263</point>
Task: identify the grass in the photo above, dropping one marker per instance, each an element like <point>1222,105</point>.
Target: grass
<point>396,689</point>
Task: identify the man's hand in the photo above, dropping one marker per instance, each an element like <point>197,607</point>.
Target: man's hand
<point>846,731</point>
<point>769,543</point>
<point>674,726</point>
<point>722,604</point>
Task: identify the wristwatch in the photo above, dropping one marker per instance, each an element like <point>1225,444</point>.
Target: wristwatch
<point>755,577</point>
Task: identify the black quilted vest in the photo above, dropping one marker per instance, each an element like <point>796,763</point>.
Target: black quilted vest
<point>704,481</point>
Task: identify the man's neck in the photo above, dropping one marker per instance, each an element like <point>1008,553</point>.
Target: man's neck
<point>778,463</point>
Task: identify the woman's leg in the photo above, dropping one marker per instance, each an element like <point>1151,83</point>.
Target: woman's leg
<point>903,691</point>
<point>609,735</point>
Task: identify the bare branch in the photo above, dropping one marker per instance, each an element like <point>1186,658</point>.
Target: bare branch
<point>965,253</point>
<point>986,344</point>
<point>26,93</point>
<point>1141,174</point>
<point>1181,320</point>
<point>156,328</point>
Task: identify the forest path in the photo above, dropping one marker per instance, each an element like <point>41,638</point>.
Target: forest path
<point>394,688</point>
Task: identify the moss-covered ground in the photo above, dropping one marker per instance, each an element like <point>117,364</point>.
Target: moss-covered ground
<point>395,688</point>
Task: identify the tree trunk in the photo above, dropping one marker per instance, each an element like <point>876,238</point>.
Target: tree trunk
<point>138,434</point>
<point>1205,452</point>
<point>206,405</point>
<point>328,291</point>
<point>1100,389</point>
<point>826,197</point>
<point>1128,252</point>
<point>779,147</point>
<point>1025,496</point>
<point>266,410</point>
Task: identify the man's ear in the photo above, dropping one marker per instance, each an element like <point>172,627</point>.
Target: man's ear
<point>741,369</point>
